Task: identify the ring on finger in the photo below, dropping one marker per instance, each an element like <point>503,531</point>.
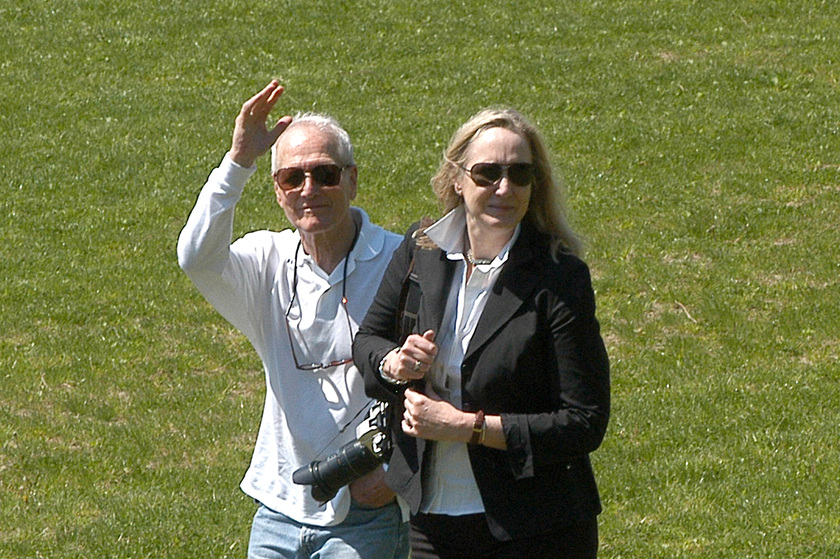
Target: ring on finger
<point>417,365</point>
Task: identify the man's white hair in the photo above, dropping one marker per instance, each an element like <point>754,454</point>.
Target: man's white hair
<point>328,125</point>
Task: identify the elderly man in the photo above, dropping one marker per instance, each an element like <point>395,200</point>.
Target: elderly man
<point>299,295</point>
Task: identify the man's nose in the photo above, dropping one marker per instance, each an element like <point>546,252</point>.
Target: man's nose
<point>310,186</point>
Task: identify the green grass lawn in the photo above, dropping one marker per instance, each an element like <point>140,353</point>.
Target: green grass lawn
<point>700,141</point>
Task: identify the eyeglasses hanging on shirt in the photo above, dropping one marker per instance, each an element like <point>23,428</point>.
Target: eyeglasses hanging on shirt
<point>330,364</point>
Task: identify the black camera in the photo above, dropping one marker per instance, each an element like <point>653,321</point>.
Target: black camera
<point>356,459</point>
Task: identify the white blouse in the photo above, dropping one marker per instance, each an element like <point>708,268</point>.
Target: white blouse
<point>451,488</point>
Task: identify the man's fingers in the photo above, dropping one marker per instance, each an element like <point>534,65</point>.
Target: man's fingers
<point>262,103</point>
<point>276,93</point>
<point>280,127</point>
<point>272,97</point>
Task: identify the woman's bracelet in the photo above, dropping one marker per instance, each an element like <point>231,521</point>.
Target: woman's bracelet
<point>479,429</point>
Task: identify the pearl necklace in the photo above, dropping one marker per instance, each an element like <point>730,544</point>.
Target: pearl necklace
<point>477,261</point>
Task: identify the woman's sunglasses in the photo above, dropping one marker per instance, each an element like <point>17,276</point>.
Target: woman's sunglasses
<point>490,174</point>
<point>291,178</point>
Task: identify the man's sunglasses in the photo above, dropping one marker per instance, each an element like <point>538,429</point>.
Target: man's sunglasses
<point>490,174</point>
<point>291,178</point>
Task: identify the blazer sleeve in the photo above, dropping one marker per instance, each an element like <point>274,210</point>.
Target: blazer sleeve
<point>377,334</point>
<point>578,373</point>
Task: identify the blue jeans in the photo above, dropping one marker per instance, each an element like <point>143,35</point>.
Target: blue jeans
<point>366,533</point>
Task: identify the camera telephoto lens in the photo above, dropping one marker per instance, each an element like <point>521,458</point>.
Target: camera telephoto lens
<point>353,460</point>
<point>349,463</point>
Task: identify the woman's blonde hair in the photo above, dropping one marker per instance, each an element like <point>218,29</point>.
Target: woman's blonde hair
<point>546,209</point>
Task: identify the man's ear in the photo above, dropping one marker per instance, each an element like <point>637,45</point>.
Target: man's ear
<point>278,193</point>
<point>352,188</point>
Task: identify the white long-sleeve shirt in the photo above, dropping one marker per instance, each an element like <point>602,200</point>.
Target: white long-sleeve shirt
<point>307,414</point>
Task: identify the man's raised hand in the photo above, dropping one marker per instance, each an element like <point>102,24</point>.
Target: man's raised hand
<point>251,137</point>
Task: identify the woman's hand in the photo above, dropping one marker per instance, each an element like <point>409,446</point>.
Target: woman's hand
<point>413,360</point>
<point>427,416</point>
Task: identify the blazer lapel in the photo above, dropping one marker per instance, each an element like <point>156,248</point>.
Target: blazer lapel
<point>514,285</point>
<point>435,278</point>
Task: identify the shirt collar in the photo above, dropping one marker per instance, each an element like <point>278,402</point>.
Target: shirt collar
<point>371,238</point>
<point>369,244</point>
<point>448,234</point>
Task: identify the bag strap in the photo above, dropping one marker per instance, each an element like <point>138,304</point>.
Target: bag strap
<point>409,304</point>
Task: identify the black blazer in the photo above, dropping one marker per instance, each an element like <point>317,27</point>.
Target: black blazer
<point>536,358</point>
